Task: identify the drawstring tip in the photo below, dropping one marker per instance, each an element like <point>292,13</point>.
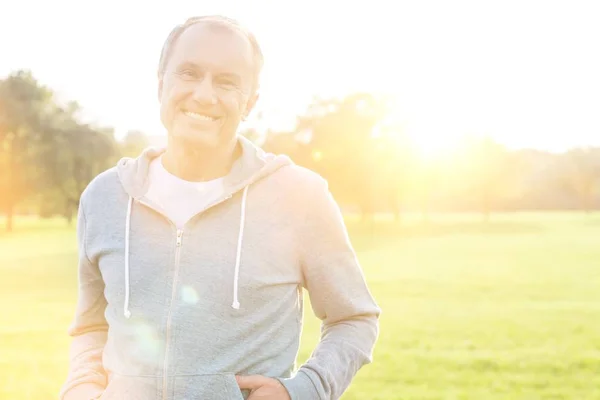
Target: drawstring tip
<point>127,314</point>
<point>236,305</point>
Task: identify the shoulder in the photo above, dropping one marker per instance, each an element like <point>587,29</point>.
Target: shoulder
<point>299,188</point>
<point>104,186</point>
<point>301,179</point>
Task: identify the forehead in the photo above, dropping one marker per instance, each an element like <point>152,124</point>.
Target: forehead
<point>213,47</point>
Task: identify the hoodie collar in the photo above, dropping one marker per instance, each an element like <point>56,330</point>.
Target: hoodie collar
<point>253,164</point>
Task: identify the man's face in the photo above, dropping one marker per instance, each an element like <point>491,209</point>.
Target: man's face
<point>208,85</point>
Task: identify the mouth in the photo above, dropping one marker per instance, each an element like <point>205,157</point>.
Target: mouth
<point>200,117</point>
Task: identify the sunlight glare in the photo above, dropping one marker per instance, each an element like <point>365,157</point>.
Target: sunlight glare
<point>428,139</point>
<point>431,141</point>
<point>189,295</point>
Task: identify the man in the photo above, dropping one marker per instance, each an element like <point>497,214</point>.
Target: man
<point>192,258</point>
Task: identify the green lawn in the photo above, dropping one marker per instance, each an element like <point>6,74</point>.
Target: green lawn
<point>508,310</point>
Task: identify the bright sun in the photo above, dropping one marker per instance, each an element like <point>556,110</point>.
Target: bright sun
<point>429,138</point>
<point>432,141</point>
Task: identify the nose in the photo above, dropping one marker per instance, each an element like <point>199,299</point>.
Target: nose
<point>204,92</point>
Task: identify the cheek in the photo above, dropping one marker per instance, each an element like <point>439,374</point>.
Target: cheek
<point>170,100</point>
<point>168,111</point>
<point>235,103</point>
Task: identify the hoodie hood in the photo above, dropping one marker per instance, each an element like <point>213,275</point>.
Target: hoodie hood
<point>253,164</point>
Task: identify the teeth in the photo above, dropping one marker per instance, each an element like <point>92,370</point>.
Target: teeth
<point>199,117</point>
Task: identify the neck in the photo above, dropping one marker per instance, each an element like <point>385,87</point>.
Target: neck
<point>196,164</point>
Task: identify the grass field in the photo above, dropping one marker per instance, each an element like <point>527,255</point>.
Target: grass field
<point>507,310</point>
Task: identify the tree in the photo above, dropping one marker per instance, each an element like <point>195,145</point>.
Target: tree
<point>487,172</point>
<point>134,143</point>
<point>338,135</point>
<point>72,153</point>
<point>580,174</point>
<point>23,106</point>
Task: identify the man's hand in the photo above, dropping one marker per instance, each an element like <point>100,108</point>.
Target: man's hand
<point>263,388</point>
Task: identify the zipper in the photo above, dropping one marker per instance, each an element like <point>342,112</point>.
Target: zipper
<point>173,294</point>
<point>178,244</point>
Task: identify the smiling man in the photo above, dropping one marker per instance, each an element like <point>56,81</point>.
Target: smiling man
<point>192,258</point>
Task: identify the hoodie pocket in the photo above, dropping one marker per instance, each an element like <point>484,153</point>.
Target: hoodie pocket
<point>122,387</point>
<point>212,386</point>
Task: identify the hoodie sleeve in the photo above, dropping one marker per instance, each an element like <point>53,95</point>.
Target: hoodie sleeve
<point>340,298</point>
<point>86,379</point>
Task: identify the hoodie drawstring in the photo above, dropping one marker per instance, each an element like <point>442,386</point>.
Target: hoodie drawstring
<point>236,303</point>
<point>126,311</point>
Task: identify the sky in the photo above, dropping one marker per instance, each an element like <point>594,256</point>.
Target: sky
<point>525,72</point>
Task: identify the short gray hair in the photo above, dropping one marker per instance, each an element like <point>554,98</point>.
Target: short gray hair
<point>212,20</point>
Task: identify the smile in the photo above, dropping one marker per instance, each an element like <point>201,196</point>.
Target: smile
<point>200,117</point>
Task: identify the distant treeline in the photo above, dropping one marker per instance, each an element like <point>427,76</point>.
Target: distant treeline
<point>48,156</point>
<point>372,166</point>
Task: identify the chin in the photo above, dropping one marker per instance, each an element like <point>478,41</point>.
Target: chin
<point>199,138</point>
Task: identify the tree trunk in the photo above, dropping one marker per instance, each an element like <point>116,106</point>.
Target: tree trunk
<point>397,215</point>
<point>69,217</point>
<point>9,218</point>
<point>69,211</point>
<point>425,209</point>
<point>585,199</point>
<point>396,207</point>
<point>486,206</point>
<point>12,183</point>
<point>486,216</point>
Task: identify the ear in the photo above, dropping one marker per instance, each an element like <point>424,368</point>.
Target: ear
<point>251,103</point>
<point>160,87</point>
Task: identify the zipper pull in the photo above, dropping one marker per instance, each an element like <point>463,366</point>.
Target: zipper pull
<point>179,236</point>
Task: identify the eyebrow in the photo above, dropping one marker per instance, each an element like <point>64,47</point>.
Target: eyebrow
<point>189,64</point>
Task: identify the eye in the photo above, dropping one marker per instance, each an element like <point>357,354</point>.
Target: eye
<point>188,74</point>
<point>227,83</point>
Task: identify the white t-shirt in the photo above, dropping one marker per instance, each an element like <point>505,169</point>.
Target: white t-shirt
<point>178,198</point>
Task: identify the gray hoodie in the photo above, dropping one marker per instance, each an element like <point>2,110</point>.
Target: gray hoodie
<point>164,313</point>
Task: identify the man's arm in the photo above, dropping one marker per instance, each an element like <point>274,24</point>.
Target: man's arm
<point>340,298</point>
<point>86,379</point>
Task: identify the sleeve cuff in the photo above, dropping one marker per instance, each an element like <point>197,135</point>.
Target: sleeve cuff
<point>300,387</point>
